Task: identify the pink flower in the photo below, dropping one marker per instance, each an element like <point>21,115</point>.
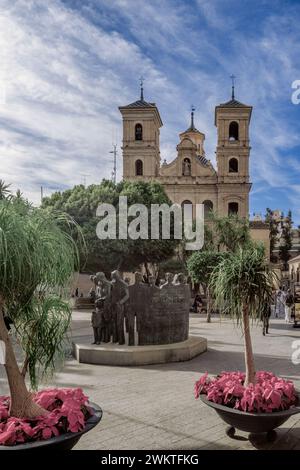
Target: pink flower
<point>68,411</point>
<point>200,385</point>
<point>269,394</point>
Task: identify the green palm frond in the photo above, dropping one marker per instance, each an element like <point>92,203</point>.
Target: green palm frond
<point>243,278</point>
<point>38,256</point>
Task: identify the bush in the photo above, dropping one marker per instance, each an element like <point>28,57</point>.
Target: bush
<point>67,408</point>
<point>269,394</point>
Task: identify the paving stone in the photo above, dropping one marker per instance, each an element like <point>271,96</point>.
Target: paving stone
<point>153,407</point>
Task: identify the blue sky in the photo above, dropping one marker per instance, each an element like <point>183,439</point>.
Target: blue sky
<point>66,66</point>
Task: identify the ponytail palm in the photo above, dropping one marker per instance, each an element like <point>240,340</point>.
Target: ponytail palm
<point>242,284</point>
<point>37,259</point>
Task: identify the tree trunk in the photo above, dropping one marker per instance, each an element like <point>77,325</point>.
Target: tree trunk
<point>208,306</point>
<point>21,404</point>
<point>25,367</point>
<point>249,358</point>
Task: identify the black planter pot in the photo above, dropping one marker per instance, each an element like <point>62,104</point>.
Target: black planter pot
<point>254,423</point>
<point>63,442</point>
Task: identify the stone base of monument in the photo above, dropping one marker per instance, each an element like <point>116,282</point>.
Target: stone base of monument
<point>116,355</point>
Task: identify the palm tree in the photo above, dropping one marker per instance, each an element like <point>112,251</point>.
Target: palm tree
<point>37,257</point>
<point>4,191</point>
<point>222,235</point>
<point>242,284</point>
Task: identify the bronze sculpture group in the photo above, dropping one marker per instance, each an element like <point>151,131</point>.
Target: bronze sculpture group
<point>149,314</point>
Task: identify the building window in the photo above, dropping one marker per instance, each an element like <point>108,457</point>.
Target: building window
<point>298,275</point>
<point>189,207</point>
<point>186,167</point>
<point>233,208</point>
<point>233,131</point>
<point>139,168</point>
<point>138,132</point>
<point>208,208</point>
<point>233,165</point>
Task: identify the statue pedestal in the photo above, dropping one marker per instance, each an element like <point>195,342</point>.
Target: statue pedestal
<point>116,355</point>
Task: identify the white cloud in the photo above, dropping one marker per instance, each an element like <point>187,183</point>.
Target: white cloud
<point>64,80</point>
<point>66,67</point>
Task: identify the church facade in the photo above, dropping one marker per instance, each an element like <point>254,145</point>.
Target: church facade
<point>191,178</point>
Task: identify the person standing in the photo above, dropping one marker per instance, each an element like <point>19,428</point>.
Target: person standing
<point>266,314</point>
<point>289,300</point>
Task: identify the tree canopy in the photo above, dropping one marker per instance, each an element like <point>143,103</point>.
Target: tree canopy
<point>105,255</point>
<point>222,235</point>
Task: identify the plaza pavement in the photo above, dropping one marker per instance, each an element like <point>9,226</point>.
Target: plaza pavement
<point>153,407</point>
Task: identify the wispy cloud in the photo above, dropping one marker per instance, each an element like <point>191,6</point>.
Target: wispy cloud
<point>69,64</point>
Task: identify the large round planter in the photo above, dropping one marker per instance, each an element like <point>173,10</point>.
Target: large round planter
<point>63,442</point>
<point>254,423</point>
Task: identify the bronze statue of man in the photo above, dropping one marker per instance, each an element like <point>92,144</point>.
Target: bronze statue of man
<point>119,295</point>
<point>135,307</point>
<point>103,300</point>
<point>97,324</point>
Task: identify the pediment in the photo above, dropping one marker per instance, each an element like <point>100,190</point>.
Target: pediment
<point>186,143</point>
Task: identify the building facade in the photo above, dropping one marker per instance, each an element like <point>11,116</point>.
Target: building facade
<point>294,269</point>
<point>191,178</point>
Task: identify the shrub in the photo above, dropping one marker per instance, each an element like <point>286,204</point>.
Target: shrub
<point>269,394</point>
<point>67,409</point>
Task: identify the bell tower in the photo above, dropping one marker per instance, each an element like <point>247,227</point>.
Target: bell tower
<point>232,120</point>
<point>141,127</point>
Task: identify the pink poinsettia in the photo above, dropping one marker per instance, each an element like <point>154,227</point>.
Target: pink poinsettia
<point>68,411</point>
<point>268,394</point>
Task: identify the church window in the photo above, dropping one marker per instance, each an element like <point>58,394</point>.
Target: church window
<point>233,165</point>
<point>233,131</point>
<point>208,208</point>
<point>139,168</point>
<point>233,208</point>
<point>189,206</point>
<point>186,167</point>
<point>138,132</point>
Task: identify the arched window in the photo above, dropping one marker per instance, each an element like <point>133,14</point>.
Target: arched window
<point>233,208</point>
<point>233,165</point>
<point>208,208</point>
<point>298,275</point>
<point>189,206</point>
<point>186,167</point>
<point>233,131</point>
<point>139,168</point>
<point>138,132</point>
<point>186,203</point>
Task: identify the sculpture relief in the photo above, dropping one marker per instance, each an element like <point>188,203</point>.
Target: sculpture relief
<point>148,314</point>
